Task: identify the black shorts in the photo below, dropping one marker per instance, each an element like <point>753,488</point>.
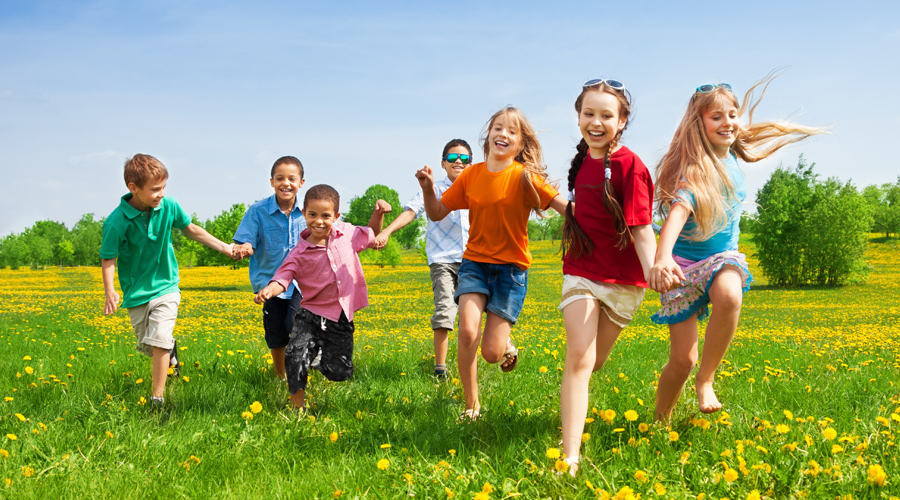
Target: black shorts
<point>313,334</point>
<point>278,319</point>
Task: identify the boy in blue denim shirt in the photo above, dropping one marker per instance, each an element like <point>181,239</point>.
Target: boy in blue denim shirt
<point>267,233</point>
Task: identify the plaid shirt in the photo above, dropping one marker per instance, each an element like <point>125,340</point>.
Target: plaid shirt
<point>445,240</point>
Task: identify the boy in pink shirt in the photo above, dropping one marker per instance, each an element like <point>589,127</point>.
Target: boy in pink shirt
<point>326,266</point>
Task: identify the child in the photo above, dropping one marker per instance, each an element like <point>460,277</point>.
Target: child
<point>444,244</point>
<point>700,189</point>
<point>268,231</point>
<point>326,266</point>
<point>499,194</point>
<point>608,245</point>
<point>139,233</point>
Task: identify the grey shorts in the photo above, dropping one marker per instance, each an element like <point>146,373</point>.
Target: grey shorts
<point>154,322</point>
<point>444,278</point>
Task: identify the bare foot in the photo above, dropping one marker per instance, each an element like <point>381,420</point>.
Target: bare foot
<point>706,397</point>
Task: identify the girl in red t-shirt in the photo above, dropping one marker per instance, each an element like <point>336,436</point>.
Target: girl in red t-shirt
<point>608,244</point>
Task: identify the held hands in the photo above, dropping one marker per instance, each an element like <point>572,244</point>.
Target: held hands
<point>665,275</point>
<point>112,303</point>
<point>425,178</point>
<point>230,250</point>
<point>382,239</point>
<point>243,250</point>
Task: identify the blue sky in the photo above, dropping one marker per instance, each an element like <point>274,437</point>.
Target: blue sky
<point>367,92</point>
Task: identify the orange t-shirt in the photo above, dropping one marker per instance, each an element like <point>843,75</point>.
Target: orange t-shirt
<point>498,212</point>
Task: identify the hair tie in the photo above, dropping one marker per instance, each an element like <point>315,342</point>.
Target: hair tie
<point>572,195</point>
<point>607,173</point>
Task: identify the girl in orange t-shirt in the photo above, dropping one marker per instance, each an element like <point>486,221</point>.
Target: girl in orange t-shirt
<point>499,194</point>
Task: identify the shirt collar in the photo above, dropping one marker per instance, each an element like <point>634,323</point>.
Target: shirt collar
<point>130,211</point>
<point>337,229</point>
<point>272,206</point>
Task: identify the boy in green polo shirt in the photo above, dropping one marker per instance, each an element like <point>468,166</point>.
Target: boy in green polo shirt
<point>139,233</point>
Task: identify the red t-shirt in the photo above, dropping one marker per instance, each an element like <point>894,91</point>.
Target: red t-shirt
<point>634,191</point>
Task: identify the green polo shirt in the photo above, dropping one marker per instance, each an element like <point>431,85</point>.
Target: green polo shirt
<point>143,246</point>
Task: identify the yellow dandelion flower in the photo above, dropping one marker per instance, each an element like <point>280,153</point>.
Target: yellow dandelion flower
<point>609,415</point>
<point>256,407</point>
<point>247,415</point>
<point>448,492</point>
<point>482,496</point>
<point>383,464</point>
<point>3,453</point>
<point>7,399</point>
<point>186,378</point>
<point>640,476</point>
<point>895,417</point>
<point>837,449</point>
<point>29,370</point>
<point>631,415</point>
<point>385,446</point>
<point>553,453</point>
<point>561,466</point>
<point>27,471</point>
<point>876,475</point>
<point>643,427</point>
<point>754,495</point>
<point>673,436</point>
<point>11,437</point>
<point>625,493</point>
<point>585,437</point>
<point>452,452</point>
<point>109,434</point>
<point>26,358</point>
<point>829,433</point>
<point>333,437</point>
<point>731,475</point>
<point>337,493</point>
<point>487,488</point>
<point>684,457</point>
<point>782,429</point>
<point>20,417</point>
<point>542,369</point>
<point>788,415</point>
<point>589,420</point>
<point>659,489</point>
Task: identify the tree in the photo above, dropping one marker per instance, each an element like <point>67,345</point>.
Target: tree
<point>13,251</point>
<point>86,236</point>
<point>810,232</point>
<point>885,204</point>
<point>188,252</point>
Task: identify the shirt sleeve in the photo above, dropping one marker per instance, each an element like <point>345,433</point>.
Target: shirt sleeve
<point>546,191</point>
<point>637,197</point>
<point>288,271</point>
<point>363,238</point>
<point>181,218</point>
<point>455,197</point>
<point>248,229</point>
<point>112,240</point>
<point>416,204</point>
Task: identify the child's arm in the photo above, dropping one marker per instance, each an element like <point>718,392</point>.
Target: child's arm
<point>377,220</point>
<point>433,207</point>
<point>400,222</point>
<point>559,203</point>
<point>198,234</point>
<point>644,246</point>
<point>271,290</point>
<point>108,269</point>
<point>665,273</point>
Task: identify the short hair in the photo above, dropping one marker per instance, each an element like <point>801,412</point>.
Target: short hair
<point>287,160</point>
<point>323,192</point>
<point>453,144</point>
<point>141,168</point>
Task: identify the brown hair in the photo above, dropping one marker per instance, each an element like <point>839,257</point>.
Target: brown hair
<point>323,192</point>
<point>573,236</point>
<point>141,168</point>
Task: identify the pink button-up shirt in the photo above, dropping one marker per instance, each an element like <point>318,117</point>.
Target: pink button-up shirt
<point>331,276</point>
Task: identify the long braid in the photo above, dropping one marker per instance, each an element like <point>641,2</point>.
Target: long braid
<point>613,207</point>
<point>573,236</point>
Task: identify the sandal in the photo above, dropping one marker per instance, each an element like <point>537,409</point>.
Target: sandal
<point>440,371</point>
<point>511,358</point>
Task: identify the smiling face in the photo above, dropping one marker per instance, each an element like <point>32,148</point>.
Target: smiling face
<point>148,196</point>
<point>454,169</point>
<point>504,137</point>
<point>600,121</point>
<point>720,124</point>
<point>320,216</point>
<point>287,181</point>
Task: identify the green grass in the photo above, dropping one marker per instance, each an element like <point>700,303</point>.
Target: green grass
<point>828,356</point>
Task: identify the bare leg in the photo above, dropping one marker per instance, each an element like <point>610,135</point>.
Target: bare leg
<point>726,297</point>
<point>159,371</point>
<point>495,338</point>
<point>298,398</point>
<point>441,340</point>
<point>471,307</point>
<point>682,358</point>
<point>278,361</point>
<point>590,336</point>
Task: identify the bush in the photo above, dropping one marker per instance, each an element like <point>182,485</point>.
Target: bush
<point>810,232</point>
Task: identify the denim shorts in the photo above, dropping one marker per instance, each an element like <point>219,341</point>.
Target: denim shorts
<point>503,284</point>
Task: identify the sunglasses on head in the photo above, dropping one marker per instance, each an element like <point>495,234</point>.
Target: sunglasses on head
<point>452,157</point>
<point>613,84</point>
<point>705,89</point>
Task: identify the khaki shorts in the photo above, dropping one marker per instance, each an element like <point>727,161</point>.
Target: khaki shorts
<point>619,301</point>
<point>154,323</point>
<point>444,277</point>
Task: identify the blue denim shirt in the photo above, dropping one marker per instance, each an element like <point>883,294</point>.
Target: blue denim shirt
<point>272,234</point>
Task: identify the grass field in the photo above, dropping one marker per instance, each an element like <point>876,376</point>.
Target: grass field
<point>810,387</point>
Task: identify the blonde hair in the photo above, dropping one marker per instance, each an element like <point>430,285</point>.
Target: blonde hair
<point>692,164</point>
<point>531,156</point>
